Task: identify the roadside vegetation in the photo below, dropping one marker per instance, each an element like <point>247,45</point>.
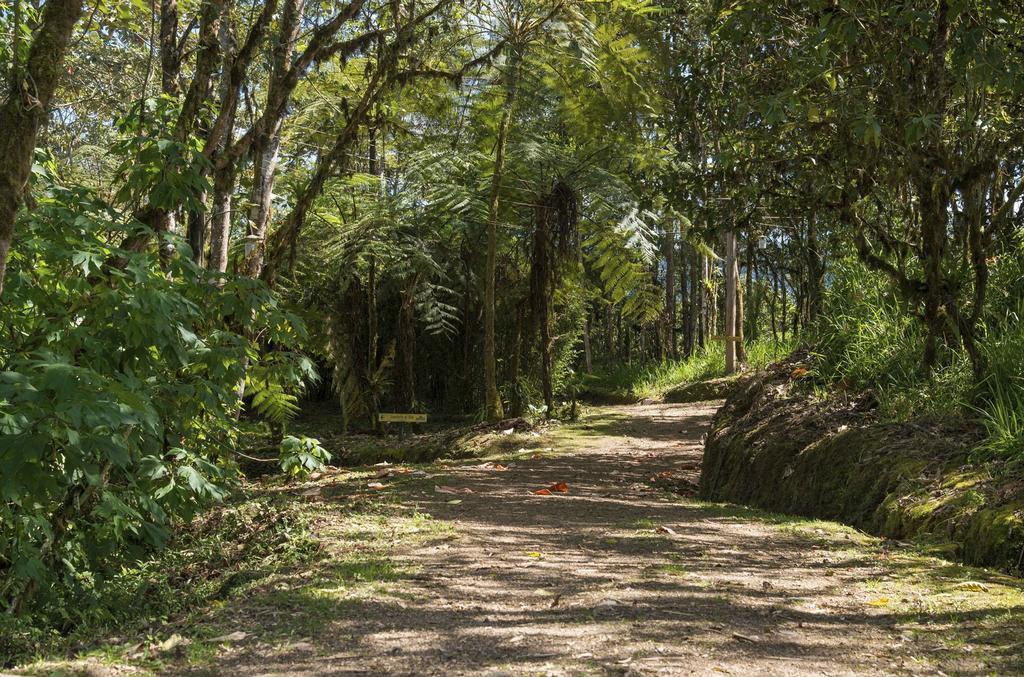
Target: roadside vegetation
<point>234,233</point>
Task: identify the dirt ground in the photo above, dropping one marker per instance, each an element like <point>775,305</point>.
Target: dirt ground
<point>615,576</point>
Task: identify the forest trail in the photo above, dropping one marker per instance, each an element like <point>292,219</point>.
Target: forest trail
<point>618,577</point>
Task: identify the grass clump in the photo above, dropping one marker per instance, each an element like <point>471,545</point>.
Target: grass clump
<point>632,382</point>
<point>868,339</point>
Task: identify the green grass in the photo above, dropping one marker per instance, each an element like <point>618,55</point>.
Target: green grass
<point>630,383</point>
<point>866,339</point>
<point>271,549</point>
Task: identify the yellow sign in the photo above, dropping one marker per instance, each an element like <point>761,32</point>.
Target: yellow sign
<point>402,418</point>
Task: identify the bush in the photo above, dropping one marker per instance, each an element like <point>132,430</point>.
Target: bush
<point>118,395</point>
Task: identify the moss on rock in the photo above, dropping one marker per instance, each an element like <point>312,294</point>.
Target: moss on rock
<point>776,447</point>
<point>701,391</point>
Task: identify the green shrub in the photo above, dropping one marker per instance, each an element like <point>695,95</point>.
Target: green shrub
<point>119,382</point>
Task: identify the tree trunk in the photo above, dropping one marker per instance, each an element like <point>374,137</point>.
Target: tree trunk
<point>670,293</point>
<point>730,303</point>
<point>196,233</point>
<point>405,391</point>
<point>700,298</point>
<point>266,145</point>
<point>373,337</point>
<point>687,296</point>
<point>546,342</point>
<point>522,318</point>
<point>220,225</point>
<point>588,363</point>
<point>815,270</point>
<point>609,331</point>
<point>223,177</point>
<point>493,409</point>
<point>26,111</point>
<point>741,348</point>
<point>265,155</point>
<point>749,301</point>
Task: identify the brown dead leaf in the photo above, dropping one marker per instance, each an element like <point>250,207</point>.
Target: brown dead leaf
<point>666,530</point>
<point>560,487</point>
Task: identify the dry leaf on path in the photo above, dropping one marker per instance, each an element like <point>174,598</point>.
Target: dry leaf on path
<point>442,489</point>
<point>666,530</point>
<point>375,485</point>
<point>233,637</point>
<point>560,487</point>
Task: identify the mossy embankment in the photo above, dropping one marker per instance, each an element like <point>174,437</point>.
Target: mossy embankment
<point>774,445</point>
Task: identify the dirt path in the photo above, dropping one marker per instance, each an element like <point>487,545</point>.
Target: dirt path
<point>616,577</point>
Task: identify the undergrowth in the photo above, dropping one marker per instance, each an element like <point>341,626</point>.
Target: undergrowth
<point>650,380</point>
<point>867,339</point>
<point>250,538</point>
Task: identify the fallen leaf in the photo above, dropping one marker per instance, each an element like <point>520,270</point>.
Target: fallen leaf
<point>172,643</point>
<point>536,555</point>
<point>442,489</point>
<point>543,492</point>
<point>508,432</point>
<point>375,485</point>
<point>560,487</point>
<point>745,638</point>
<point>666,530</point>
<point>237,636</point>
<point>881,601</point>
<point>455,501</point>
<point>972,586</point>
